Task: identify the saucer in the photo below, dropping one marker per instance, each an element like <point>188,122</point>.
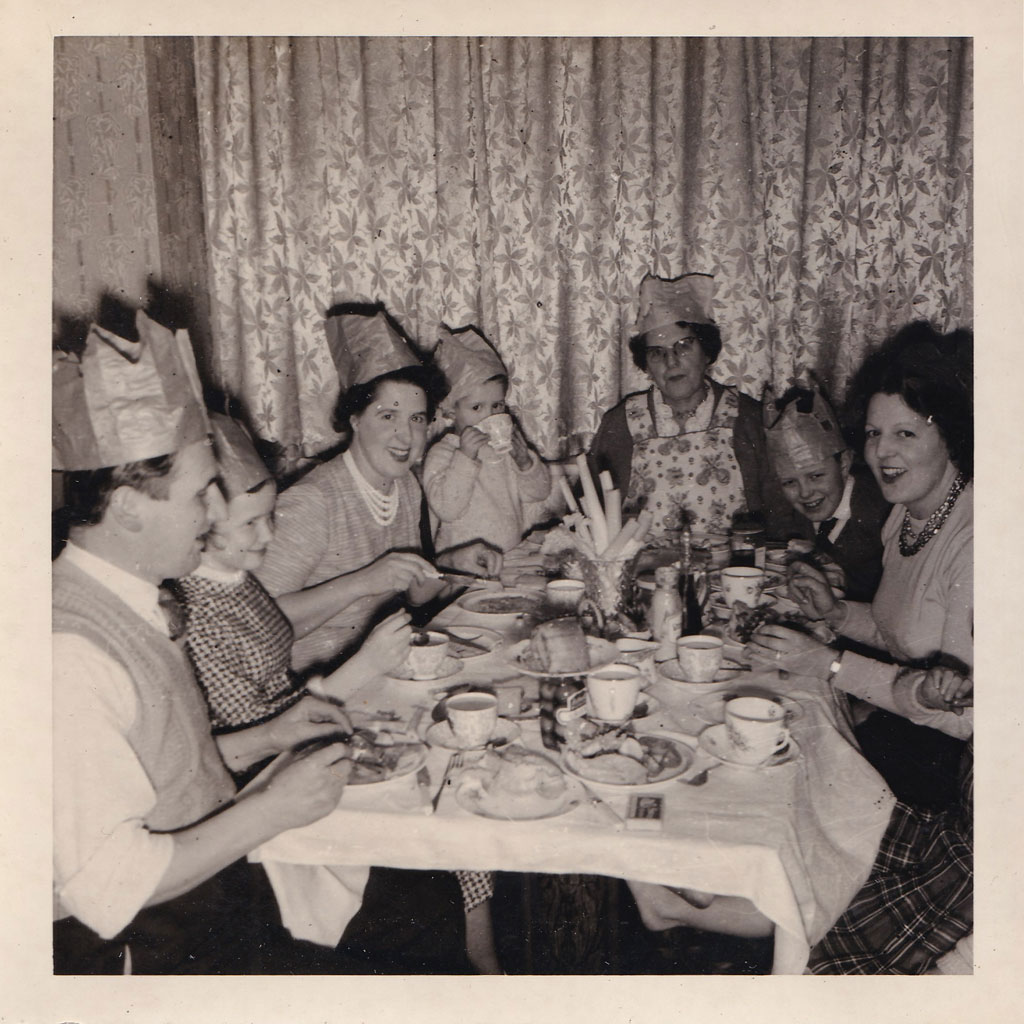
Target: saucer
<point>645,706</point>
<point>714,740</point>
<point>449,667</point>
<point>671,670</point>
<point>440,735</point>
<point>711,706</point>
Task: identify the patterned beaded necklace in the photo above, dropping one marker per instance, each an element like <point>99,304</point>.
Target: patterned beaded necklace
<point>909,545</point>
<point>383,507</point>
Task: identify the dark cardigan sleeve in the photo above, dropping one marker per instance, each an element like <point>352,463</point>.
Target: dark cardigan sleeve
<point>761,487</point>
<point>612,448</point>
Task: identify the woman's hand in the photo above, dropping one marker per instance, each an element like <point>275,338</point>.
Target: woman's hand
<point>471,440</point>
<point>395,572</point>
<point>810,589</point>
<point>772,645</point>
<point>307,789</point>
<point>386,647</point>
<point>477,558</point>
<point>520,449</point>
<point>945,689</point>
<point>308,719</point>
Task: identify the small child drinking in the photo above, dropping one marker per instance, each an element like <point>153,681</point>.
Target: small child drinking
<point>478,488</point>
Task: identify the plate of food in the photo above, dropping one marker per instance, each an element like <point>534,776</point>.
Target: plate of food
<point>501,606</point>
<point>477,637</point>
<point>516,784</point>
<point>376,756</point>
<point>625,760</point>
<point>449,667</point>
<point>559,647</point>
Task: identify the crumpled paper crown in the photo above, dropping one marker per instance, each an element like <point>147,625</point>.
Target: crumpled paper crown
<point>241,468</point>
<point>797,440</point>
<point>687,298</point>
<point>124,401</point>
<point>364,347</point>
<point>467,359</point>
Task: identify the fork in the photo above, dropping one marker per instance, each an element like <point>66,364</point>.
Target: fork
<point>455,762</point>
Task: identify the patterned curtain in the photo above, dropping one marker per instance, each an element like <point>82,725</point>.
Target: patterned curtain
<point>525,185</point>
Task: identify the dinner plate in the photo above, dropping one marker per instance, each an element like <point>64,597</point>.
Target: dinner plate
<point>489,638</point>
<point>600,653</point>
<point>411,758</point>
<point>671,670</point>
<point>711,706</point>
<point>501,606</point>
<point>715,741</point>
<point>472,797</point>
<point>440,735</point>
<point>677,768</point>
<point>449,667</point>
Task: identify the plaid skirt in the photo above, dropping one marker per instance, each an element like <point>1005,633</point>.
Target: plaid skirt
<point>918,901</point>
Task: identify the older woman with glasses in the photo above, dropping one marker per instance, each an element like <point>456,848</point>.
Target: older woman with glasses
<point>687,443</point>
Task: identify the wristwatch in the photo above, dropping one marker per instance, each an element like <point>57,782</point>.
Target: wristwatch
<point>833,669</point>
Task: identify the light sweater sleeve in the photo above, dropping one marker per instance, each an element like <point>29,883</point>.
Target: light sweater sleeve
<point>300,541</point>
<point>449,477</point>
<point>859,624</point>
<point>107,864</point>
<point>535,480</point>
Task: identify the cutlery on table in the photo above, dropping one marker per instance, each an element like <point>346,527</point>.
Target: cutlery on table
<point>454,764</point>
<point>423,787</point>
<point>595,801</point>
<point>702,776</point>
<point>465,641</point>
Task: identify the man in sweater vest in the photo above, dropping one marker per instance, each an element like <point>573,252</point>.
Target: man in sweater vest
<point>149,838</point>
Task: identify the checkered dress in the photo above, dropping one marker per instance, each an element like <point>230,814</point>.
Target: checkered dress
<point>918,901</point>
<point>240,644</point>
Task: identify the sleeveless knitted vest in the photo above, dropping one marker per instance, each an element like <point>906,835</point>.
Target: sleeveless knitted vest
<point>171,732</point>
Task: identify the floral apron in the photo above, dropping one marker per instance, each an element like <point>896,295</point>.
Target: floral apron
<point>695,471</point>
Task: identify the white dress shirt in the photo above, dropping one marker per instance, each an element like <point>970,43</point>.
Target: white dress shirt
<point>106,863</point>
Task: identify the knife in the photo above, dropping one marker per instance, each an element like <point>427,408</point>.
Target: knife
<point>596,802</point>
<point>423,787</point>
<point>466,642</point>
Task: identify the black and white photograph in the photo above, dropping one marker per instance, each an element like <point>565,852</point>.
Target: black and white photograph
<point>511,512</point>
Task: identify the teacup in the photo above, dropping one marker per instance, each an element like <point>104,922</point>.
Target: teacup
<point>472,717</point>
<point>742,583</point>
<point>564,595</point>
<point>498,427</point>
<point>699,657</point>
<point>639,652</point>
<point>756,728</point>
<point>426,654</point>
<point>613,690</point>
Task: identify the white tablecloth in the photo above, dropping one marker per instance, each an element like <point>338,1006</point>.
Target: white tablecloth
<point>798,840</point>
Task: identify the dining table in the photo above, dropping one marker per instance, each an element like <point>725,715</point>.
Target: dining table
<point>797,837</point>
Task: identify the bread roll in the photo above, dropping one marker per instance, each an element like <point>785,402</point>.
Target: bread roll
<point>559,645</point>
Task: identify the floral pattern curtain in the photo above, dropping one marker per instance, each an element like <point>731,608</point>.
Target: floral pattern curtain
<point>525,185</point>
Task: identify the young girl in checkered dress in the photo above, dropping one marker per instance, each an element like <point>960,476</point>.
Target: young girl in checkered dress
<point>240,642</point>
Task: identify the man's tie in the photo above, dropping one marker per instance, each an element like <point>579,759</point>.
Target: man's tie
<point>173,611</point>
<point>825,528</point>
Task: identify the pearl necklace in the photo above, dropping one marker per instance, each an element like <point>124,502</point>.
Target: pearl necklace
<point>383,507</point>
<point>909,545</point>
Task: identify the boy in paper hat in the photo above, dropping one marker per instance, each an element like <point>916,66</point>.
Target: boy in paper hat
<point>842,510</point>
<point>149,839</point>
<point>480,475</point>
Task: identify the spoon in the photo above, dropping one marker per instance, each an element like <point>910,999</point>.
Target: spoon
<point>701,777</point>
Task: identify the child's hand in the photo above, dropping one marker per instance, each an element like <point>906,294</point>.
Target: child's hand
<point>520,449</point>
<point>471,440</point>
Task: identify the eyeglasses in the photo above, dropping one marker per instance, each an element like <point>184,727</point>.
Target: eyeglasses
<point>657,354</point>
